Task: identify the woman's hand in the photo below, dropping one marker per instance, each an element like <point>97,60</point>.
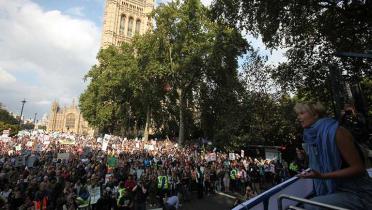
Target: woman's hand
<point>312,174</point>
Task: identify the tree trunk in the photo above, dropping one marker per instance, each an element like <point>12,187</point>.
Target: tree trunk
<point>181,133</point>
<point>146,132</point>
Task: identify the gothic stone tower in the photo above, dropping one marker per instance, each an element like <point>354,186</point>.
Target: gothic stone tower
<point>123,19</point>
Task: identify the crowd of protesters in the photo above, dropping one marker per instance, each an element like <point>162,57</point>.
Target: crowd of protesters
<point>41,170</point>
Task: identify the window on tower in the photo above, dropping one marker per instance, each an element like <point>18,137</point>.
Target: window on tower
<point>122,25</point>
<point>130,26</point>
<point>138,26</point>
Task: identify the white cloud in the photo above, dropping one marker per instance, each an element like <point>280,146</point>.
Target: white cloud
<point>6,78</point>
<point>45,54</point>
<point>76,11</point>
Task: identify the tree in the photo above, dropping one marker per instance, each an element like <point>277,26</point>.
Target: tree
<point>6,117</point>
<point>150,77</point>
<point>106,102</point>
<point>312,31</point>
<point>199,51</point>
<point>8,121</point>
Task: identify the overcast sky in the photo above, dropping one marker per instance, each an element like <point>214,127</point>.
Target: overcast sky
<point>47,46</point>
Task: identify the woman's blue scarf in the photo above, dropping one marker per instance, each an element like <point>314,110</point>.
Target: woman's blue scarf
<point>324,156</point>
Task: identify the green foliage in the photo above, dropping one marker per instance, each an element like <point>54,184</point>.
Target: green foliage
<point>312,31</point>
<point>184,74</point>
<point>112,85</point>
<point>7,121</point>
<point>366,86</point>
<point>6,117</point>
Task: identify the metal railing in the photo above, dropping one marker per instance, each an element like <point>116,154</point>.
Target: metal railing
<point>307,201</point>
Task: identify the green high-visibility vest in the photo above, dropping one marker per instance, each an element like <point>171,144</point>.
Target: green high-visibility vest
<point>162,182</point>
<point>122,193</point>
<point>293,167</point>
<point>233,174</point>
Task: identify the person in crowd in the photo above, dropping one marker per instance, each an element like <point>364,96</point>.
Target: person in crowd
<point>199,181</point>
<point>226,180</point>
<point>140,196</point>
<point>355,122</point>
<point>337,167</point>
<point>171,203</point>
<point>248,194</point>
<point>105,202</point>
<point>64,175</point>
<point>163,186</point>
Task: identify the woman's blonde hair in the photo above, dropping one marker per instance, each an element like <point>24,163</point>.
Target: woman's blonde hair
<point>313,108</point>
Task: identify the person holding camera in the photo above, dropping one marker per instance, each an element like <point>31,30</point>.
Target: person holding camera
<point>355,123</point>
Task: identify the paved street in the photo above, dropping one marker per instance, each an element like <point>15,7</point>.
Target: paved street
<point>211,202</point>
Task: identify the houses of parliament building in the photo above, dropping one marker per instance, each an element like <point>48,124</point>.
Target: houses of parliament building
<point>122,19</point>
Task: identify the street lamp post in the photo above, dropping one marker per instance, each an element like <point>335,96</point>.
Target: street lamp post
<point>35,120</point>
<point>20,117</point>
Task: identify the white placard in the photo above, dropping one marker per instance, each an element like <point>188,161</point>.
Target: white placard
<point>99,140</point>
<point>104,145</point>
<point>95,194</point>
<point>18,147</point>
<point>149,147</point>
<point>5,139</point>
<point>6,133</point>
<point>30,143</point>
<point>211,157</point>
<point>231,156</point>
<point>63,156</point>
<point>242,153</point>
<point>271,154</point>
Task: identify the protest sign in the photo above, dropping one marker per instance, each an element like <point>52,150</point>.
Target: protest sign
<point>231,156</point>
<point>5,139</point>
<point>29,144</point>
<point>149,147</point>
<point>242,153</point>
<point>271,154</point>
<point>99,140</point>
<point>67,142</point>
<point>63,156</point>
<point>18,147</point>
<point>104,146</point>
<point>211,157</point>
<point>6,133</point>
<point>95,194</point>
